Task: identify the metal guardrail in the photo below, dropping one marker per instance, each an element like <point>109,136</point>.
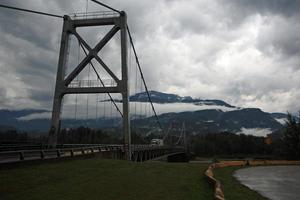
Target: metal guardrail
<point>17,147</point>
<point>71,150</point>
<point>34,154</point>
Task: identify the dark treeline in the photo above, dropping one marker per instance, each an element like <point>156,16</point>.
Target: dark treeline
<point>291,137</point>
<point>228,144</point>
<point>283,144</point>
<point>20,137</point>
<point>85,135</point>
<point>80,135</point>
<point>13,136</point>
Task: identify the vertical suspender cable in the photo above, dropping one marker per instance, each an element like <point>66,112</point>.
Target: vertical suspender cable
<point>139,67</point>
<point>86,7</point>
<point>111,104</point>
<point>135,87</point>
<point>141,102</point>
<point>87,95</point>
<point>76,95</point>
<point>97,100</point>
<point>89,68</point>
<point>104,107</point>
<point>130,77</point>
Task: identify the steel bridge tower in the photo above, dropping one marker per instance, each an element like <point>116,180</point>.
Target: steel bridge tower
<point>62,87</point>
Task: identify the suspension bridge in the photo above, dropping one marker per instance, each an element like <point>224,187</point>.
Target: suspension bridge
<point>92,88</point>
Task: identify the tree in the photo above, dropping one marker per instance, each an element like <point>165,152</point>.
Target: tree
<point>291,137</point>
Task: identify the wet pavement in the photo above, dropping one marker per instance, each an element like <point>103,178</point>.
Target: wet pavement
<point>273,182</point>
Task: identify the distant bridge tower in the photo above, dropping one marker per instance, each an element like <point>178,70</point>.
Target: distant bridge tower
<point>181,138</point>
<point>119,22</point>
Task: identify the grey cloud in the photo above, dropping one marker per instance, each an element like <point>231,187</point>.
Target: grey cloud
<point>38,30</point>
<point>200,48</point>
<point>42,96</point>
<point>282,7</point>
<point>2,95</point>
<point>280,36</point>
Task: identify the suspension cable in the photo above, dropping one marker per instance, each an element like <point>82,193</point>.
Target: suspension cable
<point>99,78</point>
<point>142,76</point>
<point>106,6</point>
<point>31,11</point>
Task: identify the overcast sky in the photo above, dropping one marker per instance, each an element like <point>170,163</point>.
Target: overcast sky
<point>246,53</point>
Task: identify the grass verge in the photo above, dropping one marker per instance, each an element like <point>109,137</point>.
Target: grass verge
<point>232,188</point>
<point>105,179</point>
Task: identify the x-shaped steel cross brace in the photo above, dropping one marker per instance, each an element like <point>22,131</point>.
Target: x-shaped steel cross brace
<point>93,53</point>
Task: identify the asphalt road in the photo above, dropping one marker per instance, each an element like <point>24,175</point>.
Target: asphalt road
<point>273,182</point>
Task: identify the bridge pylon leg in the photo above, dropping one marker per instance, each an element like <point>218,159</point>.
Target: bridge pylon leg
<point>58,95</point>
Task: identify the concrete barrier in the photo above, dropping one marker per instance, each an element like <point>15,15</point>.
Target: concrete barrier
<point>218,192</point>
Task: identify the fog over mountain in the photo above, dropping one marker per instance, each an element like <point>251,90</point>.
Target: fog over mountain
<point>199,115</point>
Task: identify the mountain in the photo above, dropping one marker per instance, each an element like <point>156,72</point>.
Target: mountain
<point>201,115</point>
<point>279,115</point>
<point>212,115</point>
<point>9,120</point>
<point>160,97</point>
<point>8,117</point>
<point>201,121</point>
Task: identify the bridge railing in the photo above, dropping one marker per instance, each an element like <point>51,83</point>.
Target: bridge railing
<point>71,150</point>
<point>18,147</point>
<point>34,154</point>
<point>93,15</point>
<point>92,83</point>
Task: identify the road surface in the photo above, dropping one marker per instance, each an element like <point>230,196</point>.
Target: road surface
<point>273,182</point>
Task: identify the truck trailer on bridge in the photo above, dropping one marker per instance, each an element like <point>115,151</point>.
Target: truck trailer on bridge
<point>157,142</point>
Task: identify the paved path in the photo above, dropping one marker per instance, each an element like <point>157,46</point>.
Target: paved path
<point>273,182</point>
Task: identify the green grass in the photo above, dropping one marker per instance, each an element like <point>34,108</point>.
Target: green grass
<point>105,179</point>
<point>233,190</point>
